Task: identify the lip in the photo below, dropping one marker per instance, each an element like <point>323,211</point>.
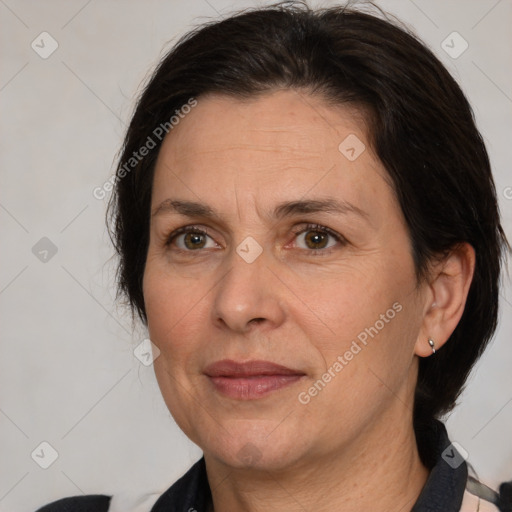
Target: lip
<point>230,368</point>
<point>250,380</point>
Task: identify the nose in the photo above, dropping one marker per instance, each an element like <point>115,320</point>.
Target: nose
<point>248,295</point>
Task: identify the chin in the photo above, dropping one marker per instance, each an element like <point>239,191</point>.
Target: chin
<point>253,447</point>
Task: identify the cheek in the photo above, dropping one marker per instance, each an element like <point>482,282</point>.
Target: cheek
<point>175,315</point>
<point>373,321</point>
<point>172,307</point>
<point>348,302</point>
<point>367,362</point>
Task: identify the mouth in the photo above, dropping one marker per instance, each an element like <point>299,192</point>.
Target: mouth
<point>250,380</point>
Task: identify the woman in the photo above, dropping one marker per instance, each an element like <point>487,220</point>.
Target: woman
<point>307,224</point>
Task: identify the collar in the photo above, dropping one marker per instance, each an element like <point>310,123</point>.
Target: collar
<point>443,491</point>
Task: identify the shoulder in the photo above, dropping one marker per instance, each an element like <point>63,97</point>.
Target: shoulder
<point>88,503</point>
<point>190,492</point>
<point>480,497</point>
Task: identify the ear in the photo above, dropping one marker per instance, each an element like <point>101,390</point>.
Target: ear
<point>447,291</point>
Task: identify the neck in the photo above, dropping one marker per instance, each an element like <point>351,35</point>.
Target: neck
<point>380,470</point>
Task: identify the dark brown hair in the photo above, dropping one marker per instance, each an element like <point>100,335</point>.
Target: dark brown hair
<point>421,127</point>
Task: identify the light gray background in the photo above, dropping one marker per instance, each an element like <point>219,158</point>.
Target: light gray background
<point>67,371</point>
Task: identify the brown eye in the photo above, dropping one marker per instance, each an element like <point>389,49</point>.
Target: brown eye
<point>316,239</point>
<point>190,239</point>
<point>194,240</point>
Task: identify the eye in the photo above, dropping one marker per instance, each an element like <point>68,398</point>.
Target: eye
<point>316,239</point>
<point>190,238</point>
<point>314,236</point>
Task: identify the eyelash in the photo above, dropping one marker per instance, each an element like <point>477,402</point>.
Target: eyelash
<point>296,231</point>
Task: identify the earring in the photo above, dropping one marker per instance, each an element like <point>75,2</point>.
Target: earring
<point>432,345</point>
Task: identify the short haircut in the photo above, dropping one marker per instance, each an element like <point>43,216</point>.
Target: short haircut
<point>420,124</point>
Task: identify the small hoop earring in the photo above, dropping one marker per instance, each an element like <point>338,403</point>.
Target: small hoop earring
<point>432,345</point>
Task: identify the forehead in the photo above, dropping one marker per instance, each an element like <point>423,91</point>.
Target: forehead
<point>277,145</point>
<point>289,122</point>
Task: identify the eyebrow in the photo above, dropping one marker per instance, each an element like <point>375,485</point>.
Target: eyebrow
<point>282,210</point>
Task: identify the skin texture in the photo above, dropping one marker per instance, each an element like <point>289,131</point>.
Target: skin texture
<point>301,303</point>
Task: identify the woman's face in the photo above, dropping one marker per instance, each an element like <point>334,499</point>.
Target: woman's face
<point>305,262</point>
